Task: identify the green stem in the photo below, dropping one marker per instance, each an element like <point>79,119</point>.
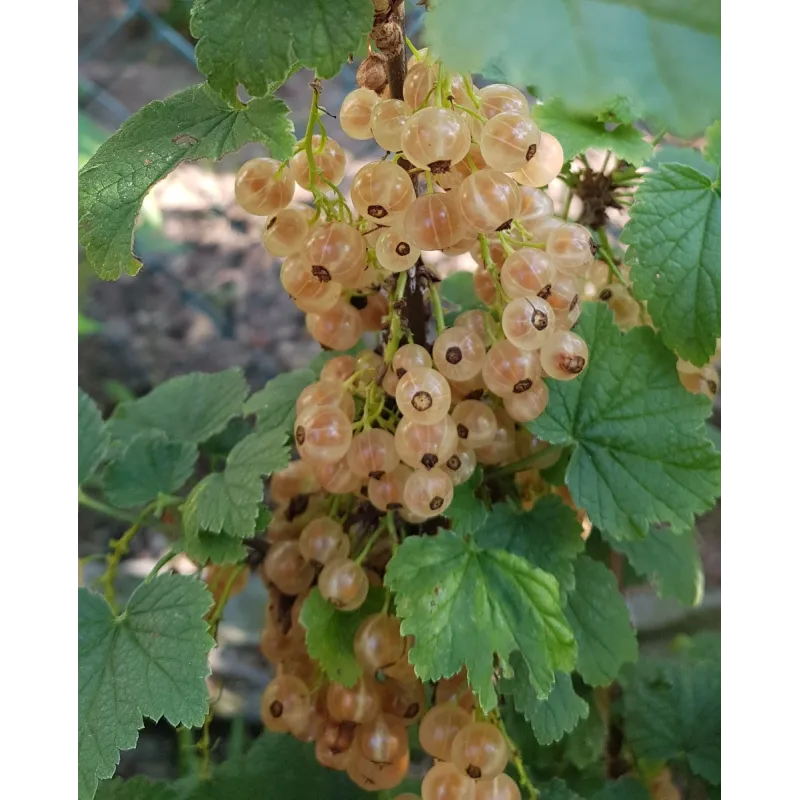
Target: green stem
<point>567,204</point>
<point>605,161</point>
<point>395,326</point>
<point>516,757</point>
<point>119,548</point>
<point>436,302</point>
<point>658,138</point>
<point>606,255</point>
<point>216,615</point>
<point>165,559</point>
<point>470,90</point>
<point>522,464</point>
<point>368,546</point>
<point>109,511</point>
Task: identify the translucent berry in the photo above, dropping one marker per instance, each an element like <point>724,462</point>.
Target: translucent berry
<point>325,393</point>
<point>564,355</point>
<point>528,405</point>
<point>285,703</point>
<point>498,98</point>
<point>382,192</point>
<point>394,251</point>
<point>458,353</point>
<point>297,478</point>
<point>473,389</point>
<point>480,751</point>
<point>509,370</point>
<point>372,453</point>
<point>528,322</point>
<point>435,221</point>
<point>503,447</point>
<point>359,703</point>
<point>285,232</point>
<point>489,200</point>
<point>337,478</point>
<point>435,139</point>
<point>323,434</point>
<point>571,247</point>
<point>475,423</point>
<point>428,493</point>
<point>388,120</point>
<point>406,701</point>
<point>426,446</point>
<point>373,314</point>
<point>484,286</point>
<point>336,252</point>
<point>443,781</point>
<point>509,141</point>
<point>478,321</point>
<point>545,166</point>
<point>305,289</point>
<point>527,271</point>
<point>423,395</point>
<point>383,740</point>
<point>343,583</point>
<point>460,466</point>
<point>536,205</point>
<point>497,253</point>
<point>287,569</point>
<point>322,540</point>
<point>463,169</point>
<point>329,158</point>
<point>418,85</point>
<point>262,187</point>
<point>501,787</point>
<point>338,368</point>
<point>356,111</point>
<point>440,726</point>
<point>378,642</point>
<point>386,492</point>
<point>338,328</point>
<point>376,777</point>
<point>409,356</point>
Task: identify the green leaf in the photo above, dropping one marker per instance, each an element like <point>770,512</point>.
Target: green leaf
<point>136,788</point>
<point>670,154</point>
<point>670,561</point>
<point>556,789</point>
<point>150,661</point>
<point>467,511</point>
<point>150,464</point>
<point>599,618</point>
<point>713,149</point>
<point>578,132</point>
<point>256,42</point>
<point>676,230</point>
<point>191,408</point>
<point>673,712</point>
<point>663,58</point>
<point>330,634</point>
<point>548,536</point>
<point>218,548</point>
<point>585,745</point>
<point>641,455</point>
<point>550,717</point>
<point>192,124</point>
<point>626,788</point>
<point>459,289</point>
<point>274,404</point>
<point>228,501</point>
<point>556,474</point>
<point>276,767</point>
<point>466,605</point>
<point>92,436</point>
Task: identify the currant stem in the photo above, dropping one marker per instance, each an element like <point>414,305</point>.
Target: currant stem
<point>567,204</point>
<point>119,548</point>
<point>109,511</point>
<point>605,255</point>
<point>436,302</point>
<point>370,542</point>
<point>516,757</point>
<point>522,464</point>
<point>165,559</point>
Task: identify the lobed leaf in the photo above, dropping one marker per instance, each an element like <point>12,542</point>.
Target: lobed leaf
<point>92,437</point>
<point>468,605</point>
<point>275,403</point>
<point>256,43</point>
<point>150,661</point>
<point>676,230</point>
<point>190,125</point>
<point>641,455</point>
<point>663,59</point>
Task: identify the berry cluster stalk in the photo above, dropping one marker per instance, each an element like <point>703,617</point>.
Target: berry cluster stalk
<point>415,312</point>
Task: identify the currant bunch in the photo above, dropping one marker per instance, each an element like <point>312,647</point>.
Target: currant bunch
<point>386,434</point>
